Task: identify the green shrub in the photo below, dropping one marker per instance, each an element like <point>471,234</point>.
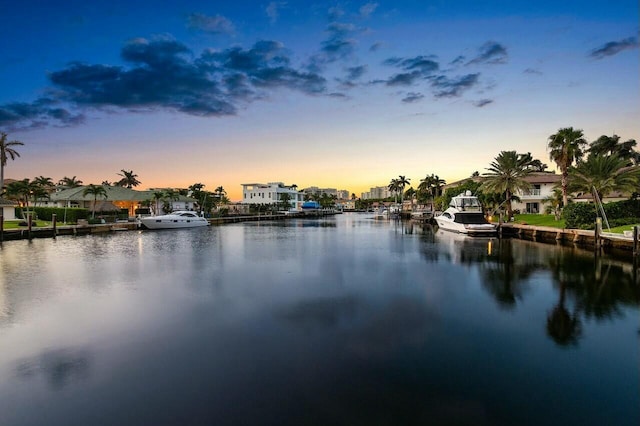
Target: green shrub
<point>579,215</point>
<point>583,215</point>
<point>46,213</point>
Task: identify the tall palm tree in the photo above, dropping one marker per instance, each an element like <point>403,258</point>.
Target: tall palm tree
<point>7,151</point>
<point>129,179</point>
<point>96,191</point>
<point>604,174</point>
<point>566,147</point>
<point>70,182</point>
<point>22,191</point>
<point>157,197</point>
<point>402,182</point>
<point>394,187</point>
<point>506,176</point>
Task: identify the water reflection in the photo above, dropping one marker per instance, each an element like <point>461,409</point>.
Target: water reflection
<point>59,367</point>
<point>353,321</point>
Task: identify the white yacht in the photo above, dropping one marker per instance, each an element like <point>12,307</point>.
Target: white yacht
<point>177,219</point>
<point>465,216</point>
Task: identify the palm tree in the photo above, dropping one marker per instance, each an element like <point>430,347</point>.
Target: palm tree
<point>129,179</point>
<point>604,174</point>
<point>394,187</point>
<point>402,182</point>
<point>169,196</point>
<point>70,182</point>
<point>555,202</point>
<point>565,147</point>
<point>21,190</point>
<point>96,191</point>
<point>610,145</point>
<point>6,151</point>
<point>506,176</point>
<point>220,192</point>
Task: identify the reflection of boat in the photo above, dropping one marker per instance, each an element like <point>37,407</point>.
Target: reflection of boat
<point>465,216</point>
<point>177,219</point>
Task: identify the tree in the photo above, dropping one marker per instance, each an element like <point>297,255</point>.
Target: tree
<point>610,145</point>
<point>566,147</point>
<point>70,182</point>
<point>169,195</point>
<point>129,179</point>
<point>7,151</point>
<point>555,202</point>
<point>506,176</point>
<point>394,187</point>
<point>96,191</point>
<point>604,174</point>
<point>22,191</point>
<point>402,182</point>
<point>220,192</point>
<point>285,201</point>
<point>430,187</point>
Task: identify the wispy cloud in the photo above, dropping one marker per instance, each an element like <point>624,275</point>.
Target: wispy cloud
<point>490,53</point>
<point>210,24</point>
<point>412,97</point>
<point>532,71</point>
<point>446,87</point>
<point>613,48</point>
<point>367,9</point>
<point>273,10</point>
<point>483,102</point>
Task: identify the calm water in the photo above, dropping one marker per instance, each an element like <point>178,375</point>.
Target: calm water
<point>340,321</point>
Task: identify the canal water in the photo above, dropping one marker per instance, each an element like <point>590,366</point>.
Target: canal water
<point>338,321</point>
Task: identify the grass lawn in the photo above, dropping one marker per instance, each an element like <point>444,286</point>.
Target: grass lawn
<point>619,229</point>
<point>14,224</point>
<point>539,220</point>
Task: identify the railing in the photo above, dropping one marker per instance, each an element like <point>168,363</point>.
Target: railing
<point>531,192</point>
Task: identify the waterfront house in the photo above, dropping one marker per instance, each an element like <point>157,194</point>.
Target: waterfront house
<point>542,186</point>
<point>118,198</point>
<point>271,193</point>
<point>8,209</point>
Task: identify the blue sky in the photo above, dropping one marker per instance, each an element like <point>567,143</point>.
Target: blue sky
<point>336,94</point>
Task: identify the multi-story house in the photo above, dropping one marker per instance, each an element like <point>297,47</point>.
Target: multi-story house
<point>271,193</point>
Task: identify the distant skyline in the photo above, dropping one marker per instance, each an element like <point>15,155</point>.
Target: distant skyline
<point>346,95</point>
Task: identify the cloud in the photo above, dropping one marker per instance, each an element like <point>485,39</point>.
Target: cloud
<point>416,68</point>
<point>273,10</point>
<point>412,97</point>
<point>376,46</point>
<point>337,46</point>
<point>482,102</point>
<point>163,74</point>
<point>334,13</point>
<point>613,48</point>
<point>446,87</point>
<point>490,53</point>
<point>404,79</point>
<point>210,24</point>
<point>367,9</point>
<point>354,73</point>
<point>532,71</point>
<point>44,111</point>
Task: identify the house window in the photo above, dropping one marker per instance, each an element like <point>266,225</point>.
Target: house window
<point>533,208</point>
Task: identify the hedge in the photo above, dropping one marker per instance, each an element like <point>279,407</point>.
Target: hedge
<point>583,215</point>
<point>72,214</point>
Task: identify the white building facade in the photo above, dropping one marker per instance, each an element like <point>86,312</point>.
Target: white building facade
<point>271,193</point>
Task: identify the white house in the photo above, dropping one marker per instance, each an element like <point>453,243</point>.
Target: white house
<point>542,185</point>
<point>271,193</point>
<point>8,209</point>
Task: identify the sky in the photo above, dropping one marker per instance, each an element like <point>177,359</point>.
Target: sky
<point>345,95</point>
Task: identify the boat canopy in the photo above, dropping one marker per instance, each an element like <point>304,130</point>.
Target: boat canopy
<point>470,219</point>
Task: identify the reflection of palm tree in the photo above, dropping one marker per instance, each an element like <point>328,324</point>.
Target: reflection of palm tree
<point>563,327</point>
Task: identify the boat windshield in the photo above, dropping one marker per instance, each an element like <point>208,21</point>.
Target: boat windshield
<point>470,218</point>
<point>466,203</point>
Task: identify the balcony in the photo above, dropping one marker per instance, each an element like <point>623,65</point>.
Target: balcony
<point>531,193</point>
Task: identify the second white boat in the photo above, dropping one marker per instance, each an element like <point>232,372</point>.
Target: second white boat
<point>465,216</point>
<point>177,219</point>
